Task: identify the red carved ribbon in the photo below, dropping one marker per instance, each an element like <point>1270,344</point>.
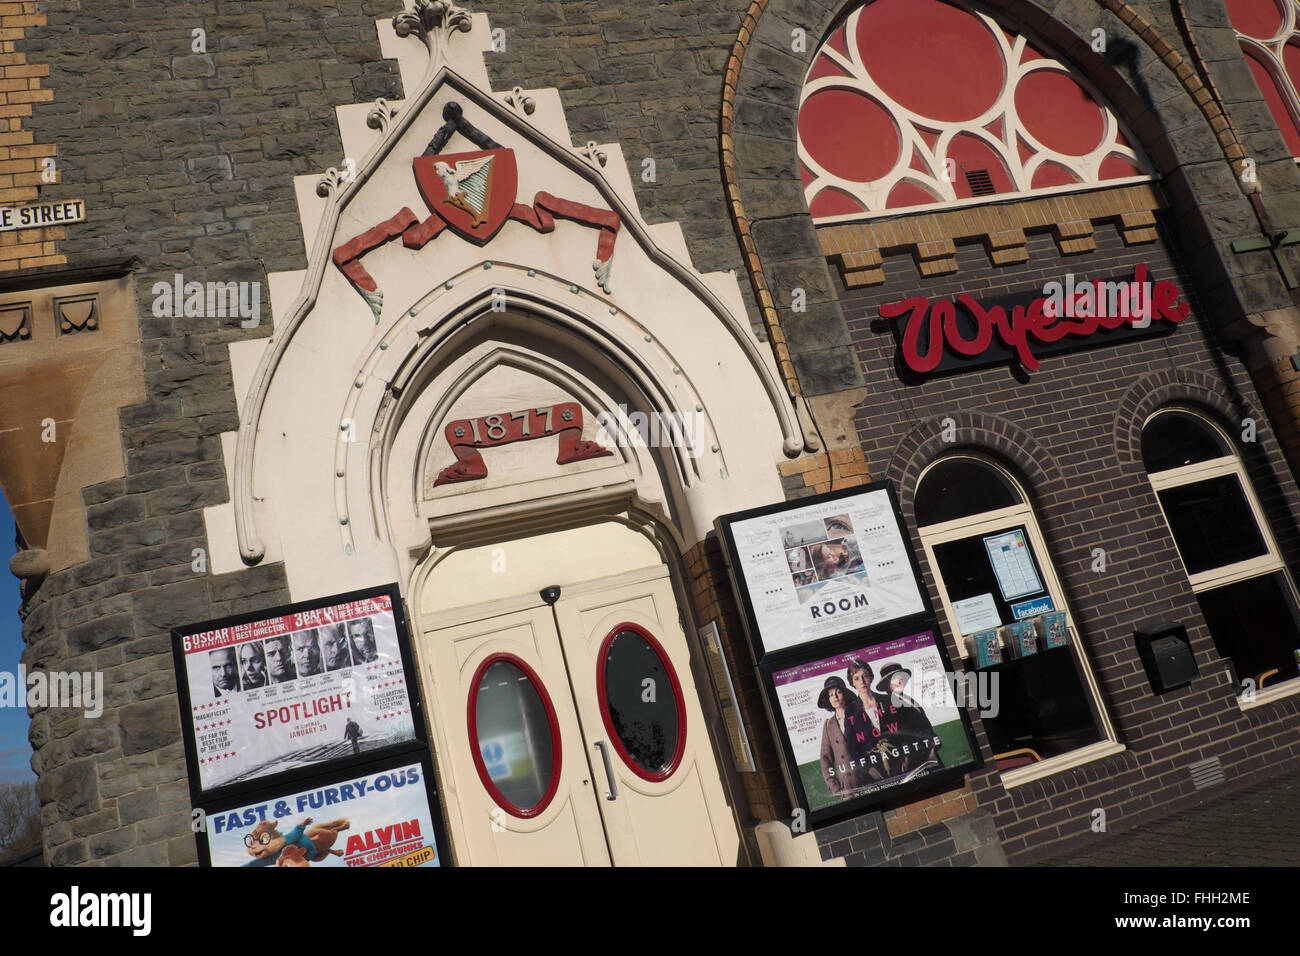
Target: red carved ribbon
<point>467,435</point>
<point>415,234</point>
<point>540,215</point>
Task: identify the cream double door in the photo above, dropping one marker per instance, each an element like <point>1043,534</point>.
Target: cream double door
<point>573,734</point>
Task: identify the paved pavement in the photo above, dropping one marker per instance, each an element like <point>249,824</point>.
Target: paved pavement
<point>1255,826</point>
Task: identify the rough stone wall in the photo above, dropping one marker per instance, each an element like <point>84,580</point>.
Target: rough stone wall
<point>185,160</point>
<point>649,78</point>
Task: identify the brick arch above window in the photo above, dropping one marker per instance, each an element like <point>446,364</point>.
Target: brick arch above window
<point>1269,34</point>
<point>1176,387</point>
<point>913,104</point>
<point>1034,467</point>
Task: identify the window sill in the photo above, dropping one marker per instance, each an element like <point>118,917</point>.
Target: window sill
<point>1270,694</point>
<point>1075,758</point>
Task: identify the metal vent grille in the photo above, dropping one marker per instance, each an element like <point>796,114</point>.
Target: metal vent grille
<point>1206,773</point>
<point>980,183</point>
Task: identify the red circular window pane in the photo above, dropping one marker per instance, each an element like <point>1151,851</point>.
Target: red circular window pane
<point>1255,18</point>
<point>932,58</point>
<point>1059,113</point>
<point>514,736</point>
<point>641,702</point>
<point>849,135</point>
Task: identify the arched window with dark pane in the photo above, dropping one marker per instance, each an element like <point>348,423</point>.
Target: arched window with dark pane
<point>1004,602</point>
<point>1246,594</point>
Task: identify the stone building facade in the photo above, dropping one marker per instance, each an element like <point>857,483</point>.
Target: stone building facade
<point>183,130</point>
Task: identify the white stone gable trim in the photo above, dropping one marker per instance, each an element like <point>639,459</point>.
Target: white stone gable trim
<point>433,23</point>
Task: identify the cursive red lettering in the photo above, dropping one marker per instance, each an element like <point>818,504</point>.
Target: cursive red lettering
<point>1086,322</point>
<point>1165,304</point>
<point>1108,317</point>
<point>912,356</point>
<point>1022,323</point>
<point>1046,327</point>
<point>983,330</point>
<point>1107,305</point>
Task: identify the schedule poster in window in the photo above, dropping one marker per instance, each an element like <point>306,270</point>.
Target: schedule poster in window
<point>293,688</point>
<point>1013,564</point>
<point>818,568</point>
<point>381,818</point>
<point>863,724</point>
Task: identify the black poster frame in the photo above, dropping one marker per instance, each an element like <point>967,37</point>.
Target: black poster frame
<point>939,781</point>
<point>279,781</point>
<point>318,780</point>
<point>723,524</point>
<point>766,663</point>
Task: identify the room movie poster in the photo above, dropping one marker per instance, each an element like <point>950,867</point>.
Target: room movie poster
<point>869,720</point>
<point>826,569</point>
<point>376,819</point>
<point>294,690</point>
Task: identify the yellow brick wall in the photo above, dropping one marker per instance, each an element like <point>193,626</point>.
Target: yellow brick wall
<point>20,157</point>
<point>847,466</point>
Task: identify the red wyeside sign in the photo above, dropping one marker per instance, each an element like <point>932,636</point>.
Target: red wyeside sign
<point>943,335</point>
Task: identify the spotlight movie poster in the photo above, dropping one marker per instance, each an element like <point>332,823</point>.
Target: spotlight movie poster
<point>866,722</point>
<point>815,571</point>
<point>366,819</point>
<point>294,689</point>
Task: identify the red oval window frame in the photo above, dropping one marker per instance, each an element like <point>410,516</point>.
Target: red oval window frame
<point>658,648</point>
<point>471,719</point>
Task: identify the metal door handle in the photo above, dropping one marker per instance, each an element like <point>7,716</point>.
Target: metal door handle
<point>612,792</point>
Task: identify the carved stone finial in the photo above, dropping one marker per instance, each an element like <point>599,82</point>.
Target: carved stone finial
<point>594,154</point>
<point>523,104</point>
<point>426,18</point>
<point>381,115</point>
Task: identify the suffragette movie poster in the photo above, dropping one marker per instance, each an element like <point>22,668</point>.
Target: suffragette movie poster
<point>293,690</point>
<point>378,819</point>
<point>871,719</point>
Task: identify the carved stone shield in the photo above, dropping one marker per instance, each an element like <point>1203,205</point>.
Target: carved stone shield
<point>473,192</point>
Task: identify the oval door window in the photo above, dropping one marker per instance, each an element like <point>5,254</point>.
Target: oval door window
<point>641,702</point>
<point>514,734</point>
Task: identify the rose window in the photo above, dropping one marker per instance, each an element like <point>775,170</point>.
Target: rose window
<point>1269,34</point>
<point>913,103</point>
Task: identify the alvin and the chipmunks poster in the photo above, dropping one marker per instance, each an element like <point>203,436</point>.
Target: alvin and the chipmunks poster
<point>381,818</point>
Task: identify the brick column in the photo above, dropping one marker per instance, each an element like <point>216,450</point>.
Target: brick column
<point>21,172</point>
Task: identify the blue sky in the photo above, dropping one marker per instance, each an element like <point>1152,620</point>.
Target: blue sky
<point>15,751</point>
